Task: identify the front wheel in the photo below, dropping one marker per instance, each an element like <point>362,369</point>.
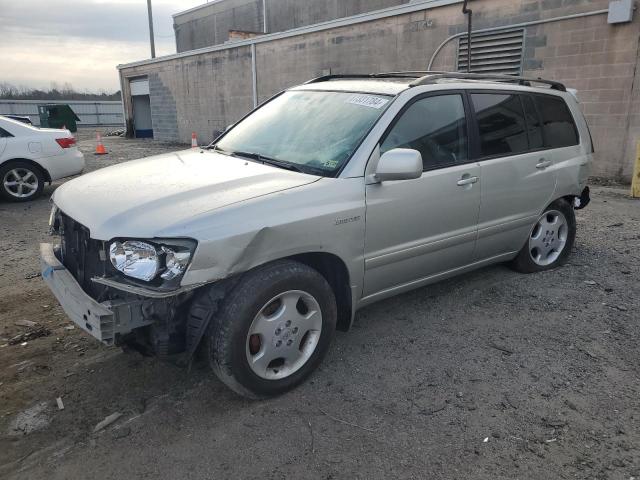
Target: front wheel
<point>550,240</point>
<point>272,329</point>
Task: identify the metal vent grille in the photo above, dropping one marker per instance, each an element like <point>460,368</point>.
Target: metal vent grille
<point>493,52</point>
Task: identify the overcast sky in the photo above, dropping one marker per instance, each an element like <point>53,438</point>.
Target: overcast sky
<point>80,41</point>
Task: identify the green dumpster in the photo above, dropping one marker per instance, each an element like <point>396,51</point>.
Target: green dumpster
<point>58,116</point>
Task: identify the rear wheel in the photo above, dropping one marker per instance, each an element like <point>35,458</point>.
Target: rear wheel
<point>272,329</point>
<point>21,181</point>
<point>550,241</point>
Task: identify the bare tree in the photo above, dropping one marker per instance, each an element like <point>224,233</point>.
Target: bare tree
<point>9,91</point>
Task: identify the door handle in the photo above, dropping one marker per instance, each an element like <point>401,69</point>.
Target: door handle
<point>542,164</point>
<point>467,181</point>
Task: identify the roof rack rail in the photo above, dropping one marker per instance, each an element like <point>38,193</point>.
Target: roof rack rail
<point>425,77</point>
<point>369,76</point>
<point>325,78</point>
<point>434,77</point>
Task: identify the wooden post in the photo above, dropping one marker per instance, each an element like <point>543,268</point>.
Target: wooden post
<point>635,180</point>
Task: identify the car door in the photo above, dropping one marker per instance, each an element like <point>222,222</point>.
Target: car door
<point>418,228</point>
<point>518,178</point>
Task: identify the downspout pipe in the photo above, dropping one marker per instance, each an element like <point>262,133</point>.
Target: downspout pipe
<point>517,25</point>
<point>254,75</point>
<point>469,12</point>
<point>264,16</point>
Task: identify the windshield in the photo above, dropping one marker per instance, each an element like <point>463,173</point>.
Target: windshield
<point>311,130</point>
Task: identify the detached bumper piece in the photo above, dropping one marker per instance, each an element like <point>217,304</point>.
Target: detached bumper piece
<point>583,200</point>
<point>104,321</point>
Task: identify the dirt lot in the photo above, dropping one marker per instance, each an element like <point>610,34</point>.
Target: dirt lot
<point>493,375</point>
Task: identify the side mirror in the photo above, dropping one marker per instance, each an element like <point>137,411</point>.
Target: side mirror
<point>399,164</point>
<point>229,127</point>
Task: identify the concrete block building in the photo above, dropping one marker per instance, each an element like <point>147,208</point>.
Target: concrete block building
<point>217,76</point>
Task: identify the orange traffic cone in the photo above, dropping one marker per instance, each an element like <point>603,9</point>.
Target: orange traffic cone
<point>194,140</point>
<point>100,150</point>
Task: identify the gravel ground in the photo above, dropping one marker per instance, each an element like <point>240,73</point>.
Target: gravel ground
<point>494,375</point>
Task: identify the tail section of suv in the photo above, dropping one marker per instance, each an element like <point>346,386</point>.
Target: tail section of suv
<point>332,195</point>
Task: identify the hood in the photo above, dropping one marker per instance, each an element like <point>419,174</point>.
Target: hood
<point>145,198</point>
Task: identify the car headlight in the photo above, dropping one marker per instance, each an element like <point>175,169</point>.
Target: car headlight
<point>54,220</point>
<point>52,215</point>
<point>165,263</point>
<point>176,262</point>
<point>135,259</point>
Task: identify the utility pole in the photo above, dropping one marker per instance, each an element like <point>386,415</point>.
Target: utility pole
<point>151,40</point>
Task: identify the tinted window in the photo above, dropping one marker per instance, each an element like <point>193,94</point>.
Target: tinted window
<point>4,133</point>
<point>501,124</point>
<point>436,127</point>
<point>534,127</point>
<point>559,127</point>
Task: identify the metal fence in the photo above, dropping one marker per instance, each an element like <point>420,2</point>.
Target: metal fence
<point>92,114</point>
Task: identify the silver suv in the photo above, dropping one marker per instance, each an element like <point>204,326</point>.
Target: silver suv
<point>328,197</point>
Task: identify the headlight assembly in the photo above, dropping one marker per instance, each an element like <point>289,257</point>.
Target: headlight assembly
<point>176,263</point>
<point>135,259</point>
<point>150,260</point>
<point>54,220</point>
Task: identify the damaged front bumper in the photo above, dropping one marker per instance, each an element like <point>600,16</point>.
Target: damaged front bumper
<point>105,321</point>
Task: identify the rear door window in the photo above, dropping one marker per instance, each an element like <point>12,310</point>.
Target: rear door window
<point>557,122</point>
<point>501,124</point>
<point>4,133</point>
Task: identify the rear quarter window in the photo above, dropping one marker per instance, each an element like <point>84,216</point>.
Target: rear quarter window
<point>557,122</point>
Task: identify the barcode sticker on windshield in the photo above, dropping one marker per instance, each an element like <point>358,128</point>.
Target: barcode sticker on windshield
<point>368,101</point>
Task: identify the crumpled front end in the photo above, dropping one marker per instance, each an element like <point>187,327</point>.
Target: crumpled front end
<point>106,320</point>
<point>77,272</point>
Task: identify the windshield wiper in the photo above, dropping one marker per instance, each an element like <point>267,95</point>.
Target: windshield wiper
<point>294,167</point>
<point>249,155</point>
<point>269,161</point>
<point>280,164</point>
<point>215,148</point>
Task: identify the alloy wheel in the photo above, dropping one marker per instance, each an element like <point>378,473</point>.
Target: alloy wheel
<point>20,182</point>
<point>548,238</point>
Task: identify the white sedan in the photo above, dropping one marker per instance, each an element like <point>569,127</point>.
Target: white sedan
<point>31,157</point>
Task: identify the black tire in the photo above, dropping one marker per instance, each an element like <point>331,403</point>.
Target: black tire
<point>524,262</point>
<point>22,166</point>
<point>225,343</point>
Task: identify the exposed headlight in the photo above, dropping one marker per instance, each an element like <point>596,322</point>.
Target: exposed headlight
<point>54,221</point>
<point>176,263</point>
<point>52,215</point>
<point>135,259</point>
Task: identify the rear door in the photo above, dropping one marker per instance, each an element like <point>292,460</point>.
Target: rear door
<point>562,140</point>
<point>418,228</point>
<point>518,178</point>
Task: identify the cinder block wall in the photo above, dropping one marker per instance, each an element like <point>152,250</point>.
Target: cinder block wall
<point>210,24</point>
<point>287,14</point>
<point>207,91</point>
